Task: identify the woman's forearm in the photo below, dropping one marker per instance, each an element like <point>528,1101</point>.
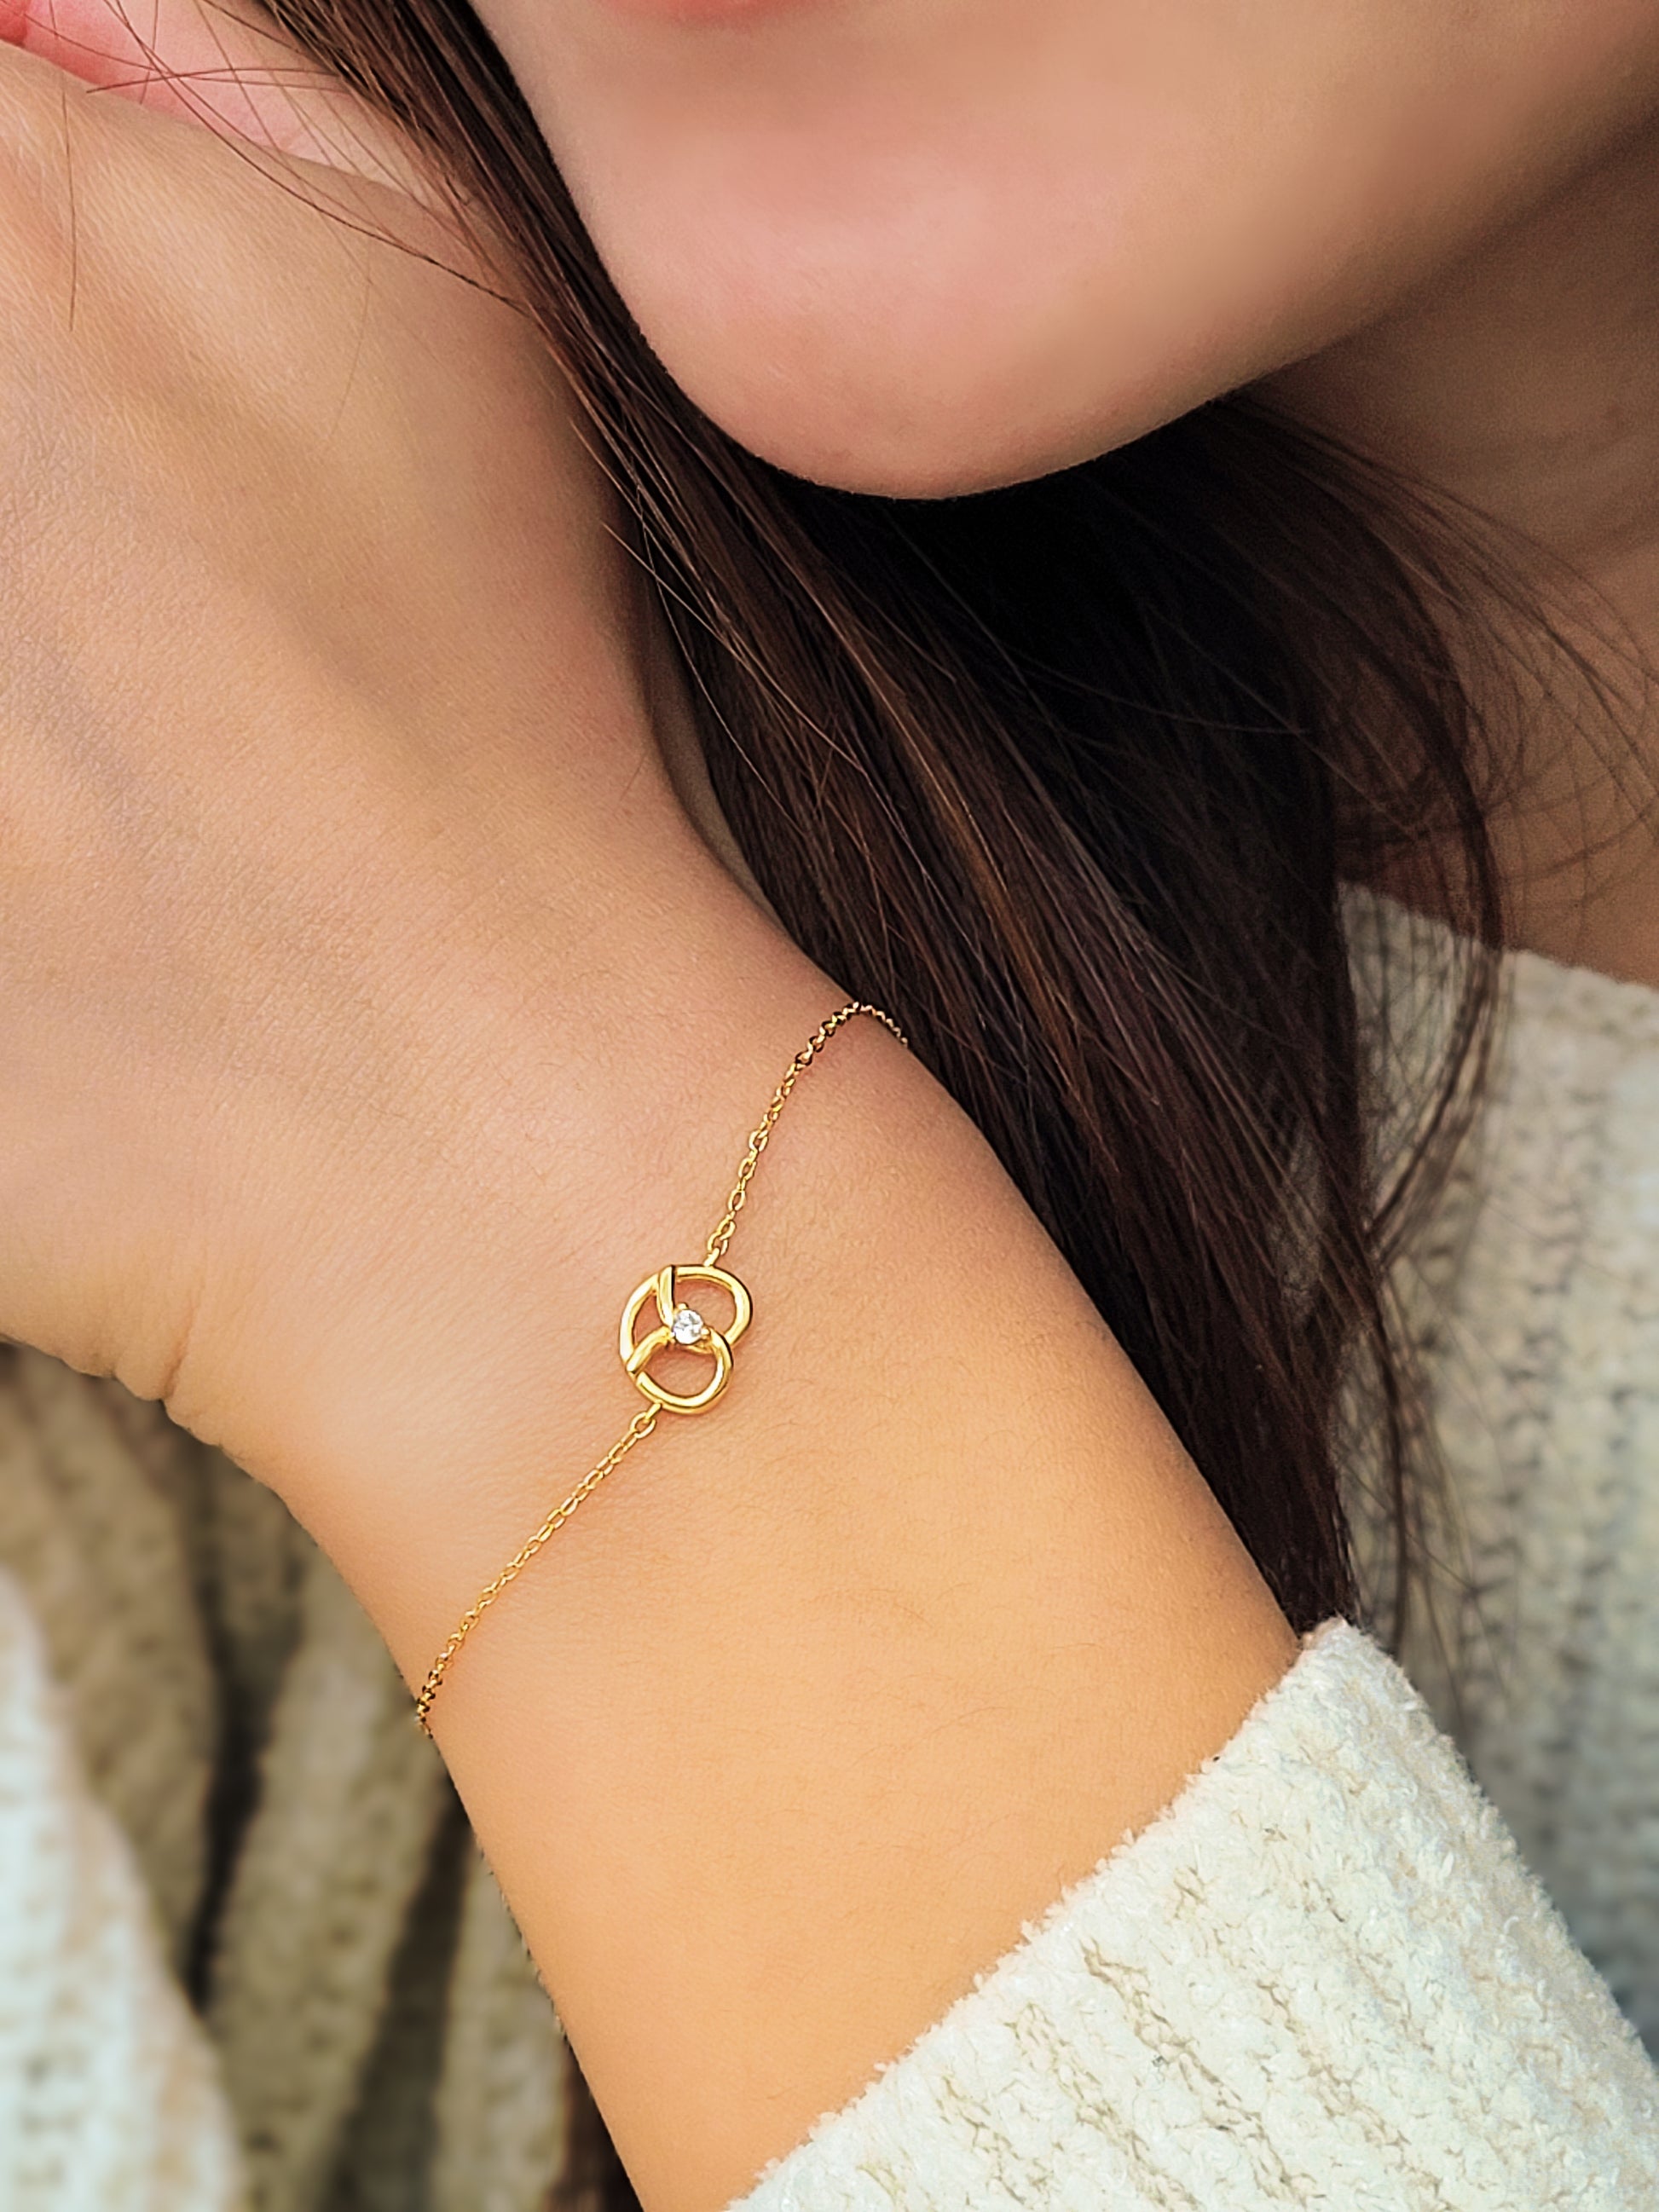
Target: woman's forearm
<point>822,1694</point>
<point>375,1021</point>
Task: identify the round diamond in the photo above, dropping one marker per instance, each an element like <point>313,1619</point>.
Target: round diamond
<point>685,1326</point>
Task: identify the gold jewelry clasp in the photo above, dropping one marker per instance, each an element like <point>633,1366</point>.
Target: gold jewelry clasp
<point>683,1327</point>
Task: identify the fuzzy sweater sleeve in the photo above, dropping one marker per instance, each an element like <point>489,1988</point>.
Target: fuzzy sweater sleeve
<point>1322,1978</point>
<point>109,2100</point>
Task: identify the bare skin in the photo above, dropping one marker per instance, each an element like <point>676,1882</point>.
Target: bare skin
<point>1523,380</point>
<point>1441,214</point>
<point>377,1016</point>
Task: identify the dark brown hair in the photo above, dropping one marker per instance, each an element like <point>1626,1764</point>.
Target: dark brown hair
<point>1071,776</point>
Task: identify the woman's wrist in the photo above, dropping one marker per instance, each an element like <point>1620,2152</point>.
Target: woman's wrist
<point>423,1337</point>
<point>822,1695</point>
<point>814,1702</point>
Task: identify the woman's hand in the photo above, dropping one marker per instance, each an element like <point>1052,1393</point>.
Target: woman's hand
<point>323,764</point>
<point>374,1019</point>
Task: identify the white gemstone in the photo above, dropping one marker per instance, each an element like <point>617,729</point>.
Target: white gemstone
<point>685,1326</point>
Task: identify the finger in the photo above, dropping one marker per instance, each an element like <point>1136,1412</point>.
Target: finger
<point>221,64</point>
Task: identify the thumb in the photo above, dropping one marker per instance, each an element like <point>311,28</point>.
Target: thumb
<point>221,64</point>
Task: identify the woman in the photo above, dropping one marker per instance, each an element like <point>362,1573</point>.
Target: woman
<point>433,827</point>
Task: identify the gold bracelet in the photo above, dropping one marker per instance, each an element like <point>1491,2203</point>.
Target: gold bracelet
<point>678,1324</point>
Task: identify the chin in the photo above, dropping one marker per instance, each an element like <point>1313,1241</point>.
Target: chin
<point>897,439</point>
<point>924,398</point>
<point>937,337</point>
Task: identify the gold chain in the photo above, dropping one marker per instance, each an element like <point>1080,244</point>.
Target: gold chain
<point>675,1328</point>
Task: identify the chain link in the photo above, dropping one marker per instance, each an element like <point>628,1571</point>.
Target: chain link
<point>636,1433</point>
<point>643,1423</point>
<point>797,1066</point>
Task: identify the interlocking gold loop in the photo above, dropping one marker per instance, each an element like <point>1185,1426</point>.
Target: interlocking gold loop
<point>716,1343</point>
<point>684,1328</point>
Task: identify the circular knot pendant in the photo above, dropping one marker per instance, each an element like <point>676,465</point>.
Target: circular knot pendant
<point>683,1327</point>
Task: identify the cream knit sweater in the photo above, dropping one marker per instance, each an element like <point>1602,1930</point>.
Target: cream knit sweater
<point>1325,1977</point>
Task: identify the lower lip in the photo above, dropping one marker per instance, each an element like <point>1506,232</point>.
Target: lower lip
<point>694,12</point>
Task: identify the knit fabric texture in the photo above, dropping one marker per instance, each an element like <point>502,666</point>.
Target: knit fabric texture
<point>210,1779</point>
<point>1534,1297</point>
<point>250,1960</point>
<point>1322,1978</point>
<point>107,2094</point>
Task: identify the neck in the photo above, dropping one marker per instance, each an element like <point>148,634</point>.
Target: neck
<point>1524,382</point>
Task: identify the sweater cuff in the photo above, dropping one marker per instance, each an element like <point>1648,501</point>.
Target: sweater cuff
<point>1322,1978</point>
